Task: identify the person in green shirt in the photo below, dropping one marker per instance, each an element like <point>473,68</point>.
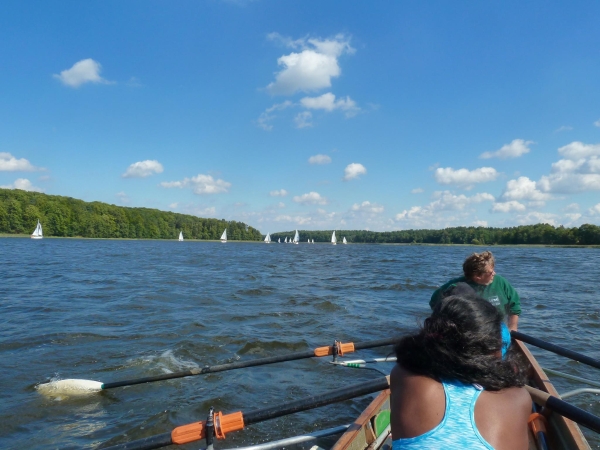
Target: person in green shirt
<point>479,273</point>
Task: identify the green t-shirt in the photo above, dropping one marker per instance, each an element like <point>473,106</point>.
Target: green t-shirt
<point>499,293</point>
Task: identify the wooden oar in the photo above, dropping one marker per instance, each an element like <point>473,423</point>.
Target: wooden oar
<point>79,386</point>
<point>236,421</point>
<point>556,349</point>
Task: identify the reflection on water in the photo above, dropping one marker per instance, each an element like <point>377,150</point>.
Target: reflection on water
<point>116,310</point>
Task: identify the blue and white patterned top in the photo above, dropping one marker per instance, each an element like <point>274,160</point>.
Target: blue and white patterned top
<point>457,429</point>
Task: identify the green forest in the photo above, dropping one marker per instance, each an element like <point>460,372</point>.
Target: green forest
<point>540,234</point>
<point>69,217</point>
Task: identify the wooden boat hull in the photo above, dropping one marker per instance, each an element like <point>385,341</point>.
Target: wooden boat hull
<point>364,432</point>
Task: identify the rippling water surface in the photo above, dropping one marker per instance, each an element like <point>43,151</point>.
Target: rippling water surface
<point>111,310</point>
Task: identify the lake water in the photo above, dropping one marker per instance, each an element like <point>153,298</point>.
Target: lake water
<point>111,310</point>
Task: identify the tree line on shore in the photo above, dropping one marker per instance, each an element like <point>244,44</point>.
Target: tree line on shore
<point>69,217</point>
<point>540,234</point>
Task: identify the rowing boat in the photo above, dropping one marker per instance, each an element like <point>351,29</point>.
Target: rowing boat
<point>371,430</point>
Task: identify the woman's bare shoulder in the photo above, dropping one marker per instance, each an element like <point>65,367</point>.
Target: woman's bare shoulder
<point>497,412</point>
<point>408,379</point>
<point>409,384</point>
<point>417,403</point>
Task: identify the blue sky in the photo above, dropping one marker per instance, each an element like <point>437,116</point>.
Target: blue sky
<point>309,115</point>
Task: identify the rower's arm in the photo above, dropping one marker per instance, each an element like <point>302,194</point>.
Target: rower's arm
<point>513,322</point>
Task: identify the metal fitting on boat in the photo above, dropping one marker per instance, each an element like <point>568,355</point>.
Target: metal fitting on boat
<point>210,429</point>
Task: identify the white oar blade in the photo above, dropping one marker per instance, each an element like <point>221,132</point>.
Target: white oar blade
<point>69,387</point>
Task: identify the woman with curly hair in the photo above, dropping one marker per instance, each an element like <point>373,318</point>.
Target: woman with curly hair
<point>452,388</point>
<point>479,271</point>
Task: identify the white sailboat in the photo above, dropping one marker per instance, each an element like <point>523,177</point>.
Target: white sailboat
<point>333,239</point>
<point>180,236</point>
<point>268,238</point>
<point>285,240</point>
<point>279,240</point>
<point>224,236</point>
<point>308,241</point>
<point>313,241</point>
<point>296,238</point>
<point>37,233</point>
<point>344,240</point>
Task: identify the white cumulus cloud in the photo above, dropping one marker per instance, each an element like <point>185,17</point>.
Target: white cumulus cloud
<point>319,159</point>
<point>23,184</point>
<point>310,68</point>
<point>328,103</point>
<point>524,189</point>
<point>509,206</point>
<point>576,150</point>
<point>200,184</point>
<point>303,119</point>
<point>563,128</point>
<point>578,171</point>
<point>536,217</point>
<point>265,119</point>
<point>299,220</point>
<point>353,171</point>
<point>278,193</point>
<point>446,208</point>
<point>84,71</point>
<point>465,177</point>
<point>142,169</point>
<point>122,196</point>
<point>8,163</point>
<point>516,148</point>
<point>368,207</point>
<point>572,207</point>
<point>312,198</point>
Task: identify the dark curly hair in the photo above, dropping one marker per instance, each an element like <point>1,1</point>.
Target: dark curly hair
<point>461,341</point>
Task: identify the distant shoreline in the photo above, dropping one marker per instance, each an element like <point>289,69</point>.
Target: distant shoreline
<point>6,235</point>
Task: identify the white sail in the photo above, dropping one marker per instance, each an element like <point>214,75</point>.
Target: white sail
<point>333,239</point>
<point>296,238</point>
<point>344,240</point>
<point>181,235</point>
<point>224,236</point>
<point>313,241</point>
<point>279,240</point>
<point>285,240</point>
<point>268,238</point>
<point>308,241</point>
<point>37,233</point>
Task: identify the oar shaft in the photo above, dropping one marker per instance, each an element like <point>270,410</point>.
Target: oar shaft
<point>379,343</point>
<point>261,415</point>
<point>166,376</point>
<point>242,364</point>
<point>556,349</point>
<point>316,401</point>
<point>149,443</point>
<point>212,369</point>
<point>565,409</point>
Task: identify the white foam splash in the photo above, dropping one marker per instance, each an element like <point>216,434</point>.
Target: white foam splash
<point>167,362</point>
<point>69,387</point>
